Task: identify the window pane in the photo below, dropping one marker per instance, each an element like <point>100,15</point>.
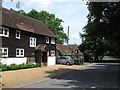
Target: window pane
<point>5,31</point>
<point>34,43</point>
<point>34,40</point>
<point>31,40</point>
<point>17,34</point>
<point>21,52</point>
<point>47,40</point>
<point>5,51</point>
<point>2,30</point>
<point>17,52</point>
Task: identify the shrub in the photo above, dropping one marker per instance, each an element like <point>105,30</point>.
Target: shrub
<point>13,67</point>
<point>20,66</point>
<point>30,65</point>
<point>23,66</point>
<point>4,67</point>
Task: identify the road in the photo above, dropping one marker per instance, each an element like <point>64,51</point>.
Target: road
<point>100,75</point>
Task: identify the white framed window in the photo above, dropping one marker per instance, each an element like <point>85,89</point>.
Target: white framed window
<point>17,34</point>
<point>4,52</point>
<point>47,39</point>
<point>19,52</point>
<point>52,53</point>
<point>32,42</point>
<point>4,32</point>
<point>52,40</point>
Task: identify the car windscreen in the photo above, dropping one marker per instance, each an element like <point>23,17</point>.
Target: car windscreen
<point>64,57</point>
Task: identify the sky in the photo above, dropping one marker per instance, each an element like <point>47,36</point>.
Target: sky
<point>72,12</point>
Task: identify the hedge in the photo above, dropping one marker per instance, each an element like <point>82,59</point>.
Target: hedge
<point>4,67</point>
<point>16,67</point>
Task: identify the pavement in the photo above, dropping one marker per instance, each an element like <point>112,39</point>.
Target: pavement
<point>23,77</point>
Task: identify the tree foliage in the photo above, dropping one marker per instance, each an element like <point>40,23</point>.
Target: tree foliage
<point>103,24</point>
<point>94,49</point>
<point>52,22</point>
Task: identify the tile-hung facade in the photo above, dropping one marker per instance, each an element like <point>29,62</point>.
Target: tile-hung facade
<point>25,39</point>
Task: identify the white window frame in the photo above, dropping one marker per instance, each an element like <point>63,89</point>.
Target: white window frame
<point>32,42</point>
<point>19,53</point>
<point>47,39</point>
<point>2,50</point>
<point>2,32</point>
<point>52,40</point>
<point>18,32</point>
<point>52,52</point>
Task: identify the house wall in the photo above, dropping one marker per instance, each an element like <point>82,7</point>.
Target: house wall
<point>51,60</point>
<point>24,42</point>
<point>9,61</point>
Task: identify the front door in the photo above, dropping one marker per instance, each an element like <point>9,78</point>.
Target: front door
<point>44,58</point>
<point>38,57</point>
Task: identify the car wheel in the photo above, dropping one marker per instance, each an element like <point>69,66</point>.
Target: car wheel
<point>68,63</point>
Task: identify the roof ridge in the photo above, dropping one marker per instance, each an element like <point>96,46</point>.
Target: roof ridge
<point>38,25</point>
<point>22,15</point>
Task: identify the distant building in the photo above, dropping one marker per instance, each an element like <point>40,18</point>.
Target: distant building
<point>69,50</point>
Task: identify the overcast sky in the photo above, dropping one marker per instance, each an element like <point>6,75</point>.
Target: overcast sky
<point>72,12</point>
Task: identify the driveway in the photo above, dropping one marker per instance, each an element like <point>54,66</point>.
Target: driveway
<point>15,78</point>
<point>100,75</point>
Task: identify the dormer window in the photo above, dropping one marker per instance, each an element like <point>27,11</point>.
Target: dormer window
<point>4,32</point>
<point>18,34</point>
<point>52,40</point>
<point>47,39</point>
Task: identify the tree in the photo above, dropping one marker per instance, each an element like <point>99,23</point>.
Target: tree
<point>93,49</point>
<point>103,22</point>
<point>53,23</point>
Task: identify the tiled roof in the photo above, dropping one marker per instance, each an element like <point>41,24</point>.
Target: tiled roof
<point>68,49</point>
<point>63,49</point>
<point>73,48</point>
<point>18,21</point>
<point>42,47</point>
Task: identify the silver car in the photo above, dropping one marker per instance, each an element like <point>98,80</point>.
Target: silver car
<point>65,60</point>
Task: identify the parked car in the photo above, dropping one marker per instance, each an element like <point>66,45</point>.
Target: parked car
<point>65,60</point>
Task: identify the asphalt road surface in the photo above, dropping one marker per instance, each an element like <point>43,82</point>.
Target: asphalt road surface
<point>100,75</point>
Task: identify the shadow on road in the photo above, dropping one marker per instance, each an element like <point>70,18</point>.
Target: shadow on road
<point>100,75</point>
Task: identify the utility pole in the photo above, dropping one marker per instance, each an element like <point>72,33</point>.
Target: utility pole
<point>68,35</point>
